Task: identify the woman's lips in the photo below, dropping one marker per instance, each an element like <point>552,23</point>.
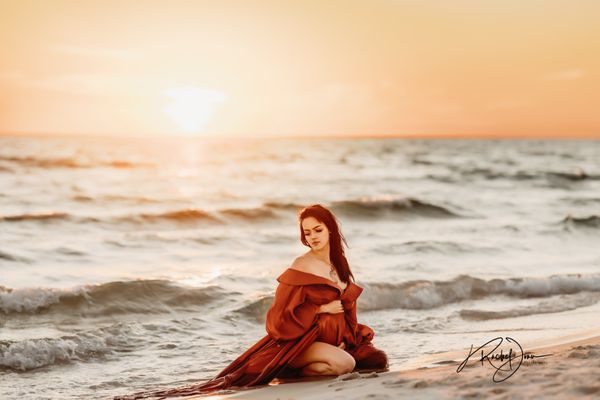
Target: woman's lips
<point>315,243</point>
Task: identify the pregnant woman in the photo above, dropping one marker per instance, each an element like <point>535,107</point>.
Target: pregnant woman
<point>311,326</point>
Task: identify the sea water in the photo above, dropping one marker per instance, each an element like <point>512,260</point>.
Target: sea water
<point>129,264</point>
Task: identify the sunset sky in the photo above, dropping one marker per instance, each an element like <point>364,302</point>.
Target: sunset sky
<point>294,68</point>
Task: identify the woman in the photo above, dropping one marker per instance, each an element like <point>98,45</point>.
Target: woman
<point>311,325</point>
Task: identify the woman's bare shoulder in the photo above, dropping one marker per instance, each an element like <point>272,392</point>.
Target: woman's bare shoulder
<point>305,263</point>
<point>299,263</point>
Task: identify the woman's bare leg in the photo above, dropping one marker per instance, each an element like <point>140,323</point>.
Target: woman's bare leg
<point>318,368</point>
<point>323,359</point>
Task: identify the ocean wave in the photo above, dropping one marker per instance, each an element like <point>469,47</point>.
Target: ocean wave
<point>13,257</point>
<point>557,304</point>
<point>354,208</point>
<point>425,294</point>
<point>25,355</point>
<point>70,251</point>
<point>121,297</point>
<point>490,173</point>
<point>578,289</point>
<point>180,216</point>
<point>275,205</point>
<point>578,174</point>
<point>117,198</point>
<point>249,214</point>
<point>582,201</point>
<point>124,164</point>
<point>422,161</point>
<point>430,246</point>
<point>183,215</point>
<point>592,221</point>
<point>372,207</point>
<point>256,310</point>
<point>48,217</point>
<point>41,216</point>
<point>70,163</point>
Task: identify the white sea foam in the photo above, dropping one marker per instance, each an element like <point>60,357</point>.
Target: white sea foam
<point>35,353</point>
<point>32,299</point>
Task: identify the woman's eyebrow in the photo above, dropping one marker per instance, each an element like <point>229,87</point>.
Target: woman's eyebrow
<point>312,228</point>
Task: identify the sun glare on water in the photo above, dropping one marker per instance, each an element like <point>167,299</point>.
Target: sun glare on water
<point>192,108</point>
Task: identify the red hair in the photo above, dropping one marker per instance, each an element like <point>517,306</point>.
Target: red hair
<point>336,249</point>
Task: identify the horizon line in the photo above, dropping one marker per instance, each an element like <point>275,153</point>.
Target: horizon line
<point>490,136</point>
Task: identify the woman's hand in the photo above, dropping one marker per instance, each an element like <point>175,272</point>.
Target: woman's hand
<point>335,307</point>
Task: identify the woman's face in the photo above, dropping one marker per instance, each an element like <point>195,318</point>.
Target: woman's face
<point>315,232</point>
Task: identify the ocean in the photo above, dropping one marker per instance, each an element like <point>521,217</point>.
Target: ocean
<point>129,264</point>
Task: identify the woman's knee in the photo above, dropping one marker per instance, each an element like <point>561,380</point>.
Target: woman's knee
<point>324,359</point>
<point>343,364</point>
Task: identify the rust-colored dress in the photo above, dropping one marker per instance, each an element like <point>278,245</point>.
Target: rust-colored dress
<point>292,326</point>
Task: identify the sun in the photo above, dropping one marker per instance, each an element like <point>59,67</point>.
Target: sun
<point>191,108</point>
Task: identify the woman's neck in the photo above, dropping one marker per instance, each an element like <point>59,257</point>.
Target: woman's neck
<point>322,254</point>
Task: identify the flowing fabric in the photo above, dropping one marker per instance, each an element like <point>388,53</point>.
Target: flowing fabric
<point>292,325</point>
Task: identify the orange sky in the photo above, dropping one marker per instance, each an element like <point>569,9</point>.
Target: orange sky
<point>219,68</point>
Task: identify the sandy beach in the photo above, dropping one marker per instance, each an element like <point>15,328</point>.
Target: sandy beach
<point>571,371</point>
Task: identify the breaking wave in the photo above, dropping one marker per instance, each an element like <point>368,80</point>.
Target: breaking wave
<point>256,310</point>
<point>25,355</point>
<point>576,291</point>
<point>425,294</point>
<point>374,207</point>
<point>141,296</point>
<point>354,208</point>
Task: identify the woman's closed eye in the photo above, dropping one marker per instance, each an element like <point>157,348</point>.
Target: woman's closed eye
<point>308,233</point>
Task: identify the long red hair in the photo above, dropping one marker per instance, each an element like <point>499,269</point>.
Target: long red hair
<point>336,249</point>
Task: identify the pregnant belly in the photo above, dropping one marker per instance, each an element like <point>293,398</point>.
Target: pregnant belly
<point>331,328</point>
